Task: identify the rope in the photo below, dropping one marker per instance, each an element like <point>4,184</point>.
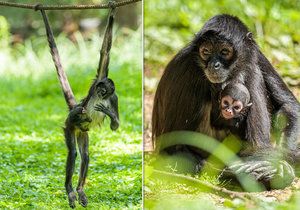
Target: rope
<point>68,7</point>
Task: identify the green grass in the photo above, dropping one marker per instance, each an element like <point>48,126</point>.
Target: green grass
<point>32,114</point>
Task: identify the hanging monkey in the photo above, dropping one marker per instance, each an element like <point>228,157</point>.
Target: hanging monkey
<point>101,101</point>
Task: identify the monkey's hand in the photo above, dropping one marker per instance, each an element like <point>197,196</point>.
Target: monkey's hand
<point>279,174</point>
<point>114,121</point>
<point>78,117</point>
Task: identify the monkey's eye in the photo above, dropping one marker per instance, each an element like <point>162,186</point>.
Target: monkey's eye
<point>224,51</point>
<point>205,51</point>
<point>103,91</point>
<point>237,108</point>
<point>225,103</point>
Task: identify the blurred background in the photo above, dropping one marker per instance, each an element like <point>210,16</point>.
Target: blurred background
<point>169,26</point>
<point>33,110</point>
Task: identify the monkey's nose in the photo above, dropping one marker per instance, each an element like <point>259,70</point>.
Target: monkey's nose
<point>229,111</point>
<point>217,65</point>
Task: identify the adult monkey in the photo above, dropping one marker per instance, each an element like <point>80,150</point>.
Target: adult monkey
<point>101,101</point>
<point>224,50</point>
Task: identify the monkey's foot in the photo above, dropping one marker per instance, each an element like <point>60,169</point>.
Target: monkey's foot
<point>279,174</point>
<point>72,199</point>
<point>82,198</point>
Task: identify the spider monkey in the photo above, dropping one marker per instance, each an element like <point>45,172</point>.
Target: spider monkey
<point>101,101</point>
<point>221,51</point>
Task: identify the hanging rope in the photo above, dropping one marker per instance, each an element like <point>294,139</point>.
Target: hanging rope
<point>67,7</point>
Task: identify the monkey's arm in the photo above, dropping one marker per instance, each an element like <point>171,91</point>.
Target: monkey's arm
<point>284,100</point>
<point>266,164</point>
<point>111,112</point>
<point>258,122</point>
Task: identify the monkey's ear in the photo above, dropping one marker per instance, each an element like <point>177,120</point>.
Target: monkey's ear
<point>249,35</point>
<point>111,81</point>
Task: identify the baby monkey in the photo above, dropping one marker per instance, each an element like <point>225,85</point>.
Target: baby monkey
<point>234,106</point>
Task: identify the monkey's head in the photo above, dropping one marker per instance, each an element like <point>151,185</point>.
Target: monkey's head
<point>224,47</point>
<point>216,56</point>
<point>235,101</point>
<point>105,88</point>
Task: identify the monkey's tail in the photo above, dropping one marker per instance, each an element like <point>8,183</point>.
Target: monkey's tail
<point>102,71</point>
<point>66,88</point>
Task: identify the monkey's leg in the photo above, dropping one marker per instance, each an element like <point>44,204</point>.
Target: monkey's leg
<point>83,144</point>
<point>114,120</point>
<point>71,145</point>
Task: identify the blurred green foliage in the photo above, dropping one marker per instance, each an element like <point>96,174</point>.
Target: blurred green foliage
<point>170,25</point>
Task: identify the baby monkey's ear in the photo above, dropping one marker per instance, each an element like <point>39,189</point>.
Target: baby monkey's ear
<point>249,35</point>
<point>248,105</point>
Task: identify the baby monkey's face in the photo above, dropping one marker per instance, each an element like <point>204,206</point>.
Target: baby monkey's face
<point>231,108</point>
<point>234,100</point>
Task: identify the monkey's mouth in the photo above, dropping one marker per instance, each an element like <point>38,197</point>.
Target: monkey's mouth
<point>216,78</point>
<point>226,115</point>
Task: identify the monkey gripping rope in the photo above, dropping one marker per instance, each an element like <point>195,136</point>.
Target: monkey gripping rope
<point>102,71</point>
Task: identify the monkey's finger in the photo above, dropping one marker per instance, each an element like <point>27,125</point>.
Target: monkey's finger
<point>242,169</point>
<point>255,167</point>
<point>280,170</point>
<point>287,168</point>
<point>267,175</point>
<point>264,177</point>
<point>262,169</point>
<point>251,166</point>
<point>100,106</point>
<point>235,165</point>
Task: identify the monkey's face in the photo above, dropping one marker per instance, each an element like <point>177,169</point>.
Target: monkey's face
<point>231,108</point>
<point>216,58</point>
<point>105,88</point>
